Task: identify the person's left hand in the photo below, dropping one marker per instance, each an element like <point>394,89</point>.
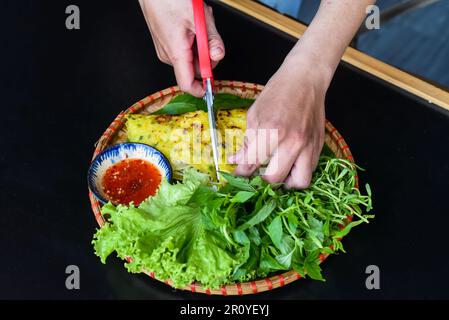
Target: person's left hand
<point>292,107</point>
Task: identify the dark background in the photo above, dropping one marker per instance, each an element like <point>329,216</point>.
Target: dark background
<point>61,88</point>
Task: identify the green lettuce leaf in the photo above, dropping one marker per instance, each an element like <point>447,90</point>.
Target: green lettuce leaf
<point>166,235</point>
<point>195,231</point>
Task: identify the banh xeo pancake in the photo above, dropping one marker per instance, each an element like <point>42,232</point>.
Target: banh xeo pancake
<point>185,139</point>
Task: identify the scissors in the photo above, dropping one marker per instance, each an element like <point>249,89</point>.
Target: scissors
<point>202,43</point>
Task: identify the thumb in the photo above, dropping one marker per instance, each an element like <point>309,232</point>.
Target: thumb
<point>238,157</point>
<point>216,45</point>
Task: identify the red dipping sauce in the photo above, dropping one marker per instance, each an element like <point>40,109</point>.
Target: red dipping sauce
<point>131,180</point>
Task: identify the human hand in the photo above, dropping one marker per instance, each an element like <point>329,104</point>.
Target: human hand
<point>172,28</point>
<point>291,107</point>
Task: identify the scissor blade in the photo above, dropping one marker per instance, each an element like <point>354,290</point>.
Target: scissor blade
<point>212,123</point>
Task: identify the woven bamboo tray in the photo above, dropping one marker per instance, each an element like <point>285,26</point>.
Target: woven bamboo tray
<point>116,133</point>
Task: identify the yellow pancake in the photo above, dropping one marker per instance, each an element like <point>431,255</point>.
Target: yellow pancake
<point>185,139</point>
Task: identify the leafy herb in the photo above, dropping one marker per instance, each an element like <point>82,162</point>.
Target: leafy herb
<point>247,229</point>
<point>187,103</point>
<point>259,217</point>
<point>242,196</point>
<point>240,183</point>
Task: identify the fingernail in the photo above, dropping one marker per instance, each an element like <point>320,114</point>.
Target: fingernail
<point>231,159</point>
<point>216,52</point>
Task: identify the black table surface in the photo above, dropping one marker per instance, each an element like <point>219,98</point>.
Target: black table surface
<point>61,88</point>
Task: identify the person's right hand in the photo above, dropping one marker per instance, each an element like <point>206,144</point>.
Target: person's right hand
<point>172,28</point>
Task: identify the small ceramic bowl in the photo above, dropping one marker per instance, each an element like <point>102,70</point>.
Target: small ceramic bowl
<point>119,152</point>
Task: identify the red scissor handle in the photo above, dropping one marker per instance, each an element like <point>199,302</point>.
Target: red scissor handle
<point>202,41</point>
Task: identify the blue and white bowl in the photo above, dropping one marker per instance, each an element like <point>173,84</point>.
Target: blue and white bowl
<point>119,152</point>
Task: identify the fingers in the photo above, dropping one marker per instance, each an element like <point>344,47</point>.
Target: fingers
<point>185,74</point>
<point>301,172</point>
<point>185,77</point>
<point>161,53</point>
<point>281,163</point>
<point>258,147</point>
<point>216,45</point>
<point>317,148</point>
<point>316,154</point>
<point>186,66</point>
<point>185,61</point>
<point>245,167</point>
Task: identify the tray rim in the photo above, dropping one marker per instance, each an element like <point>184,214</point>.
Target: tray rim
<point>237,289</point>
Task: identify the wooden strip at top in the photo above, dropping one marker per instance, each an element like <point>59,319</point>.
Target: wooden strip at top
<point>358,59</point>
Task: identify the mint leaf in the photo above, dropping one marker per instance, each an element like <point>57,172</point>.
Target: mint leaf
<point>315,234</point>
<point>275,231</point>
<point>312,266</point>
<point>260,216</point>
<point>242,196</point>
<point>185,103</point>
<point>343,232</point>
<point>238,182</point>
